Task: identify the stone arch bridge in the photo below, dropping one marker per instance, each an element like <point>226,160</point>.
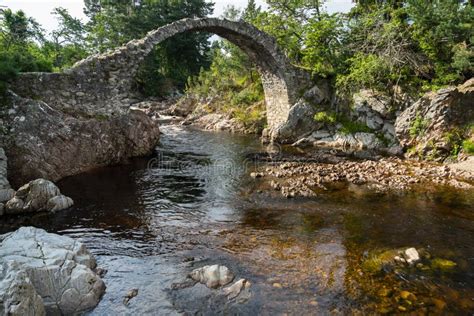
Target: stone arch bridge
<point>102,84</point>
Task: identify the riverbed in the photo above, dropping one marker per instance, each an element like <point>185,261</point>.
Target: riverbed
<point>151,222</point>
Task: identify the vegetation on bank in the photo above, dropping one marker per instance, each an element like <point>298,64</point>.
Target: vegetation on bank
<point>390,46</point>
<point>25,46</point>
<point>393,47</point>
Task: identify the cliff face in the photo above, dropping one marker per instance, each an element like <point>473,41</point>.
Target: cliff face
<point>42,141</point>
<point>434,125</point>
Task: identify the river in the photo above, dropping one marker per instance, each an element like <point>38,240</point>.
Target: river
<point>153,221</point>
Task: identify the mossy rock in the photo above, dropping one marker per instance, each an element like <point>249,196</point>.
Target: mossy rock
<point>443,264</point>
<point>377,260</point>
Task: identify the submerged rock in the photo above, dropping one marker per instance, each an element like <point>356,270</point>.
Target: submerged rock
<point>36,196</point>
<point>212,276</point>
<point>443,264</point>
<point>130,294</point>
<point>411,255</point>
<point>46,272</point>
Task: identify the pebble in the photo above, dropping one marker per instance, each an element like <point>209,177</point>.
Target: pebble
<point>300,178</point>
<point>406,295</point>
<point>412,255</point>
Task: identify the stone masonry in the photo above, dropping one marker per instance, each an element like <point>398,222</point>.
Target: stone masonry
<point>102,84</point>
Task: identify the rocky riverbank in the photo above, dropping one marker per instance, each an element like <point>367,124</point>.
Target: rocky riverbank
<point>300,177</point>
<point>48,142</point>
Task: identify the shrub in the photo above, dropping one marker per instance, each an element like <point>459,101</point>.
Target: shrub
<point>418,126</point>
<point>468,146</point>
<point>325,117</point>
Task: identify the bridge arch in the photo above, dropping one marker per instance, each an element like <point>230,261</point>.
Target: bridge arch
<point>281,81</point>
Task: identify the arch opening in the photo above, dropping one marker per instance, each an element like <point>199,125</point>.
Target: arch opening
<point>116,70</point>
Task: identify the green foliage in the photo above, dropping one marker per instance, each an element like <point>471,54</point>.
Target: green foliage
<point>454,139</point>
<point>348,126</point>
<point>468,146</point>
<point>173,61</point>
<point>19,51</point>
<point>351,127</point>
<point>232,81</point>
<point>444,32</point>
<point>325,117</point>
<point>365,70</point>
<point>418,126</point>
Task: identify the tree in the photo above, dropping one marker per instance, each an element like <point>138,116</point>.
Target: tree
<point>20,37</point>
<point>68,42</point>
<point>444,31</point>
<point>113,23</point>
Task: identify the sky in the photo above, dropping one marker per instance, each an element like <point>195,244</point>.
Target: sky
<point>41,9</point>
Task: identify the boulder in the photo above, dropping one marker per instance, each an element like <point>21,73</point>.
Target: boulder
<point>368,140</point>
<point>317,94</point>
<point>345,140</point>
<point>368,102</point>
<point>36,196</point>
<point>47,272</point>
<point>424,127</point>
<point>44,142</point>
<point>18,296</point>
<point>184,107</point>
<point>59,203</point>
<point>212,276</point>
<point>300,122</point>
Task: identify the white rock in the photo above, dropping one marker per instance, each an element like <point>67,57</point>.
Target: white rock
<point>58,267</point>
<point>325,142</point>
<point>368,140</point>
<point>37,193</point>
<point>346,140</point>
<point>59,203</point>
<point>374,122</point>
<point>235,289</point>
<point>212,276</point>
<point>412,255</point>
<point>18,296</point>
<point>305,141</point>
<point>320,134</point>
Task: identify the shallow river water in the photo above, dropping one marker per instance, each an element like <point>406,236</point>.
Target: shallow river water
<point>153,221</point>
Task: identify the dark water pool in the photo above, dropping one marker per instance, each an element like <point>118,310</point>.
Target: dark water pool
<point>153,221</point>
